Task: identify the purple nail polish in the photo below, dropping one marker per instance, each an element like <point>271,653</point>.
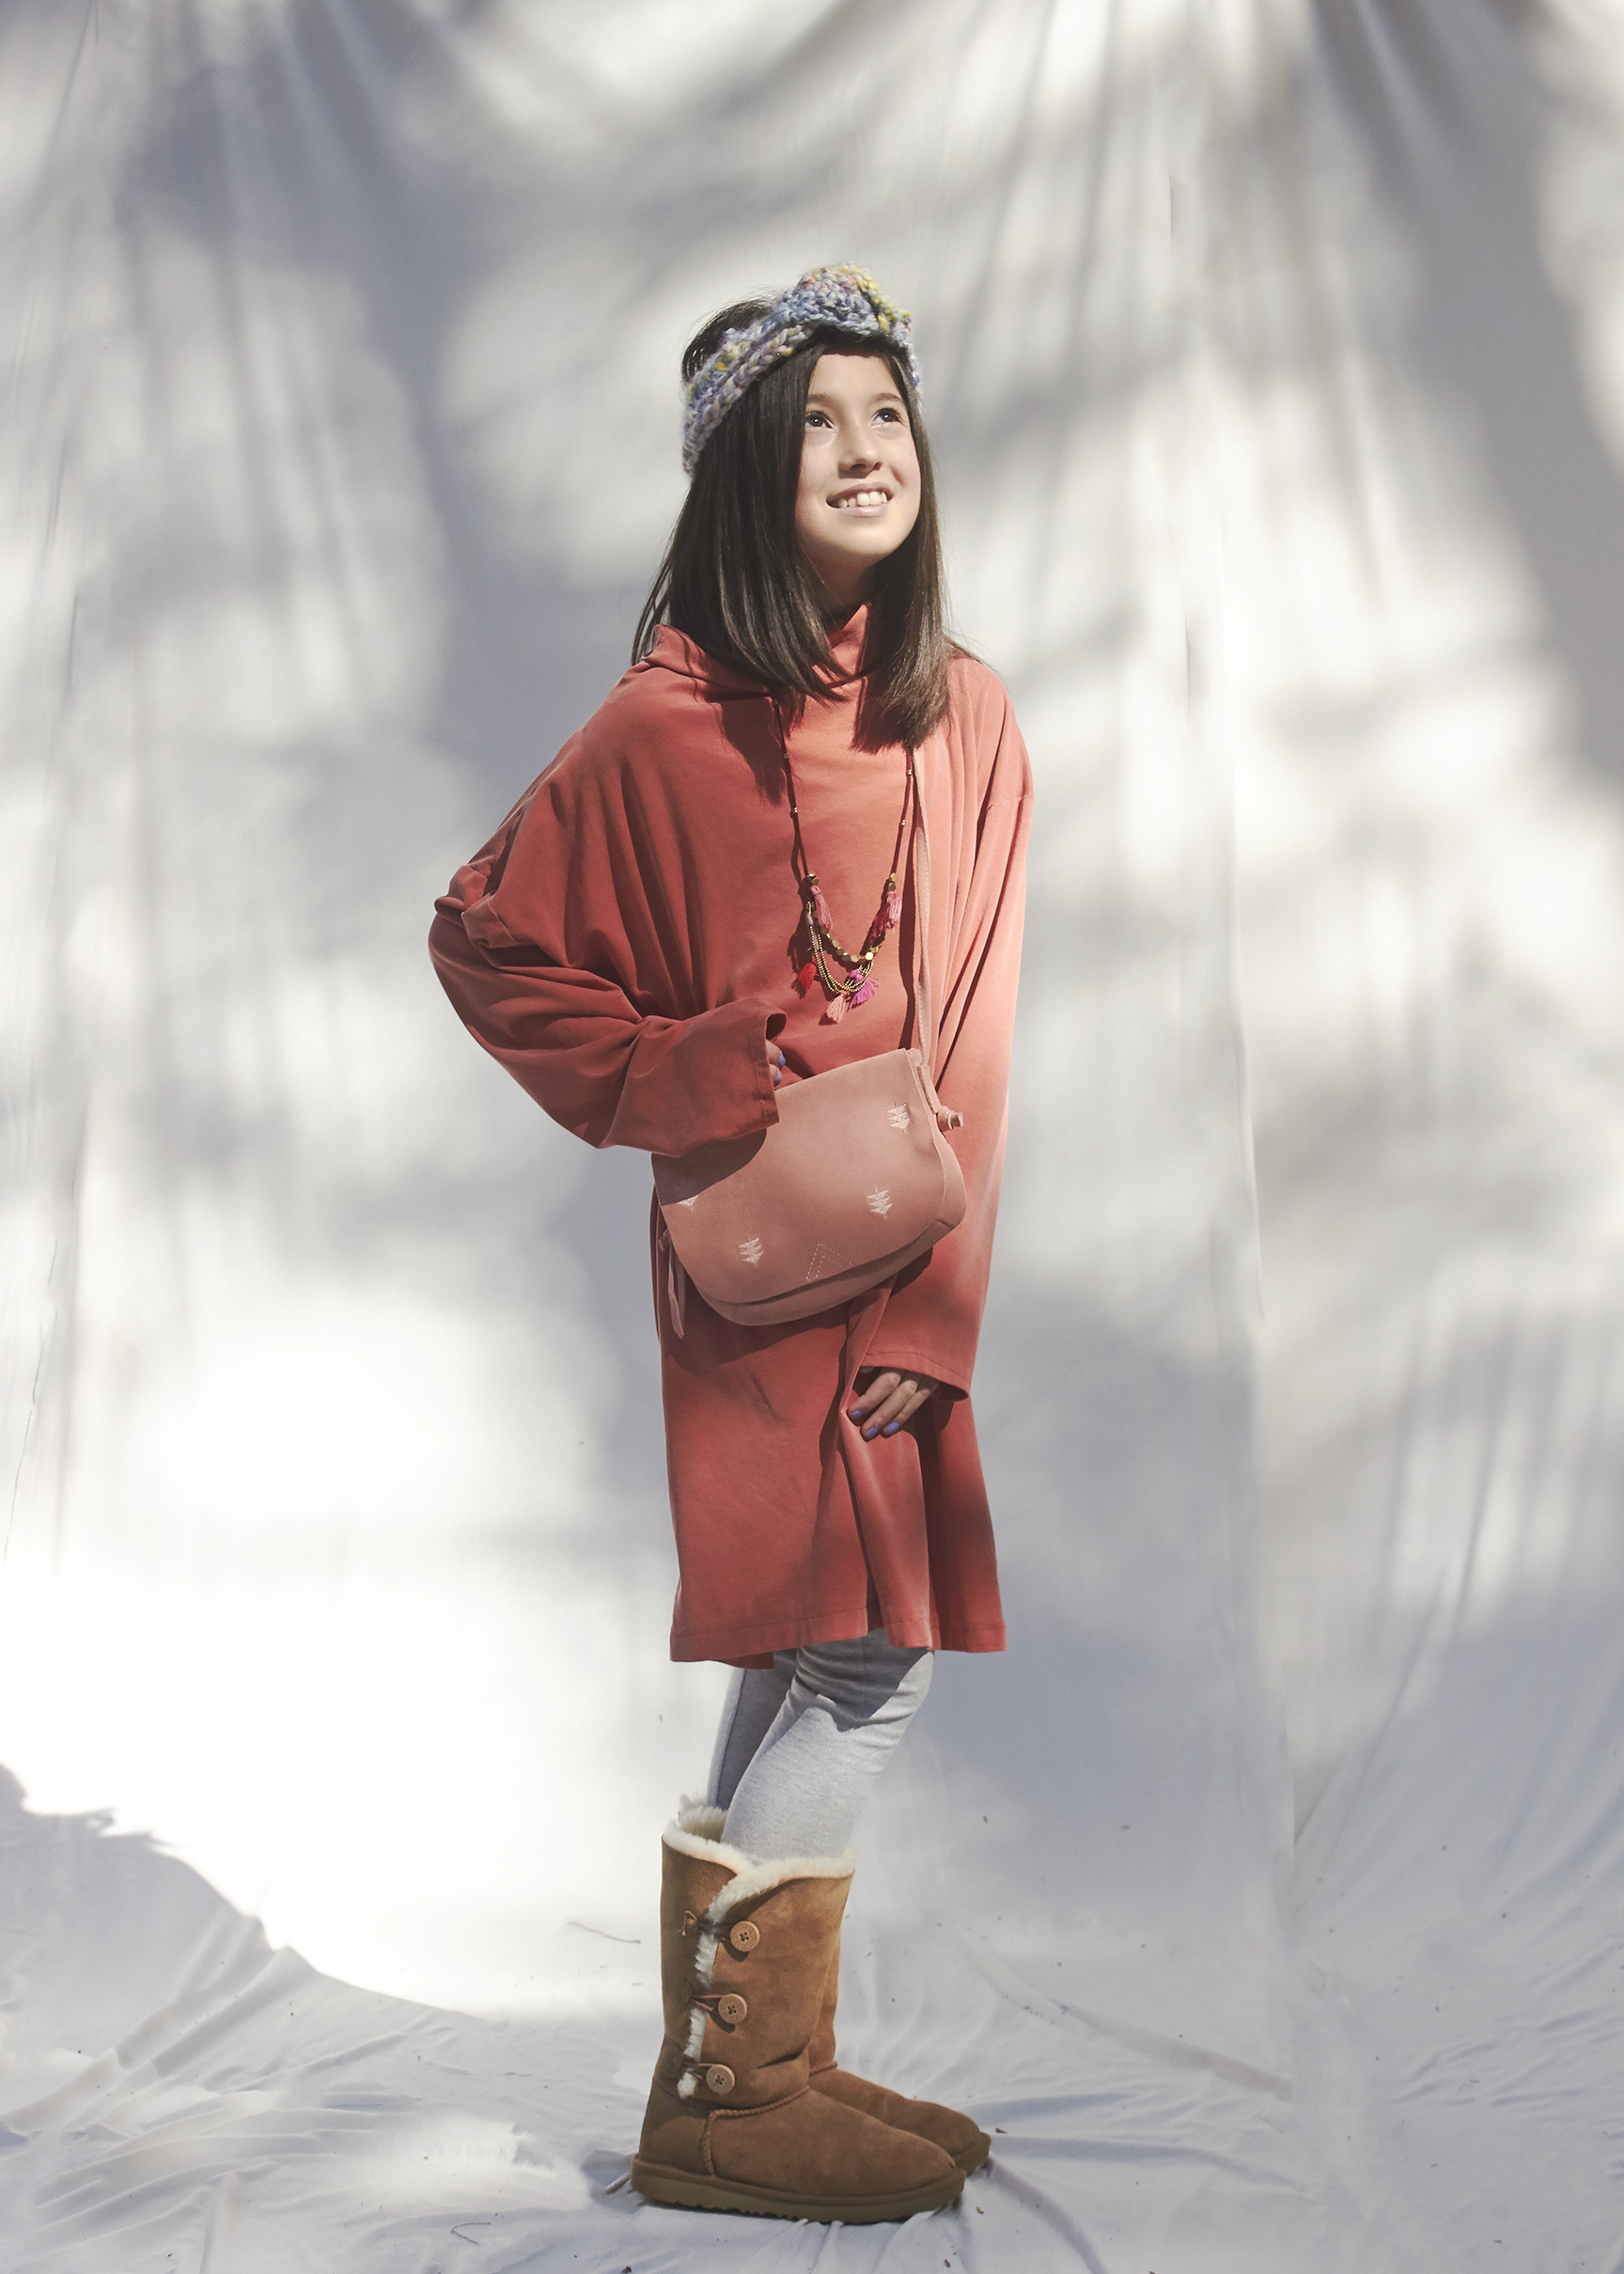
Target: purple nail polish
<point>871,1428</point>
<point>892,1427</point>
<point>858,1413</point>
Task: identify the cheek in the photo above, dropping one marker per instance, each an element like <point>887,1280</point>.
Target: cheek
<point>805,506</point>
<point>809,490</point>
<point>912,493</point>
<point>906,461</point>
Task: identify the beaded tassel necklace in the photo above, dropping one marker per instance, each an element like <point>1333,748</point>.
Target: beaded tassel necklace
<point>846,978</point>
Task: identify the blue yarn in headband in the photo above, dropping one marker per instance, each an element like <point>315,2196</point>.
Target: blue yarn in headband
<point>836,299</point>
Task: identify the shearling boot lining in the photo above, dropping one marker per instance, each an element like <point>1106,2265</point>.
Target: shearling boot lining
<point>693,1832</point>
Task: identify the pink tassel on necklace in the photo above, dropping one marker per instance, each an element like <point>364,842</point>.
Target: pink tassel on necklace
<point>860,994</point>
<point>835,1013</point>
<point>819,905</point>
<point>891,914</point>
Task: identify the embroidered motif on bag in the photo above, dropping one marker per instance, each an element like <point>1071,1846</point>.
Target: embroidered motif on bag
<point>825,1260</point>
<point>880,1200</point>
<point>750,1250</point>
<point>897,1116</point>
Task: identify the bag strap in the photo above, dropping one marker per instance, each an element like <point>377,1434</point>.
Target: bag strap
<point>922,996</point>
<point>924,1000</point>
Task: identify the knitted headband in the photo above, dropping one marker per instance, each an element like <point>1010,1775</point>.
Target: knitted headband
<point>837,299</point>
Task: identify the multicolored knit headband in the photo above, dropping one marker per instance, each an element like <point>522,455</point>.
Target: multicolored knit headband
<point>838,299</point>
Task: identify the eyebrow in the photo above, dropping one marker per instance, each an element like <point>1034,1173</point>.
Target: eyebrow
<point>880,395</point>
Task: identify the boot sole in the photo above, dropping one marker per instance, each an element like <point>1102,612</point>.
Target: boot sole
<point>692,2191</point>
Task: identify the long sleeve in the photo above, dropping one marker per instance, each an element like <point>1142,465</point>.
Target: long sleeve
<point>573,992</point>
<point>933,1318</point>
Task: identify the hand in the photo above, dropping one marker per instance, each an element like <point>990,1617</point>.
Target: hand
<point>776,1062</point>
<point>885,1401</point>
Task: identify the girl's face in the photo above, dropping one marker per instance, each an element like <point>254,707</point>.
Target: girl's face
<point>859,493</point>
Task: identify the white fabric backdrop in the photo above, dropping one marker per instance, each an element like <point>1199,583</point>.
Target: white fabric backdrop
<point>1275,362</point>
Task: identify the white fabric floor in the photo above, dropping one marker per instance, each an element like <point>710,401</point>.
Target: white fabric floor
<point>1266,1897</point>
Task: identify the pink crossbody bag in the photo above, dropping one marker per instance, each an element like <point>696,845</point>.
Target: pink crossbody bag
<point>856,1180</point>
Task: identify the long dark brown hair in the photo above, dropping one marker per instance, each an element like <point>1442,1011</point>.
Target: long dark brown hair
<point>733,577</point>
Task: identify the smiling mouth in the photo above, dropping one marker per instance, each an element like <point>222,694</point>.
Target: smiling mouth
<point>855,498</point>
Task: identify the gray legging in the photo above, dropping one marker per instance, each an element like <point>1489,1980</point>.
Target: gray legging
<point>802,1742</point>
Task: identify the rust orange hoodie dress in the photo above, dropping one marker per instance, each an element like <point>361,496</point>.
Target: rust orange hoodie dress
<point>624,946</point>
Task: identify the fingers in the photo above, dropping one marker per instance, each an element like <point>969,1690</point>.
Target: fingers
<point>776,1062</point>
<point>922,1394</point>
<point>889,1400</point>
<point>878,1391</point>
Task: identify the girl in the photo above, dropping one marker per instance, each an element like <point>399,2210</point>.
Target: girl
<point>650,944</point>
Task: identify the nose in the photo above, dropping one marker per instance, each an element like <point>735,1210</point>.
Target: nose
<point>858,450</point>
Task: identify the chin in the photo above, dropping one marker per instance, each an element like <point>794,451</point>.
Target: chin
<point>880,548</point>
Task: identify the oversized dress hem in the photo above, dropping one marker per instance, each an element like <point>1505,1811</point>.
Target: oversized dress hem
<point>750,1646</point>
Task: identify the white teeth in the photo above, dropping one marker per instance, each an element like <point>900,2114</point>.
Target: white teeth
<point>865,497</point>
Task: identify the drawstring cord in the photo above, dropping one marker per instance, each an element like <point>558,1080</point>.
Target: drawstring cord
<point>676,1280</point>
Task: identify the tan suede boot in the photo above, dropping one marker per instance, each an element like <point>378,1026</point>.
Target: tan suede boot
<point>732,2124</point>
<point>959,2135</point>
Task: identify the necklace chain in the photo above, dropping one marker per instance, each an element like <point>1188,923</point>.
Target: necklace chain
<point>846,977</point>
